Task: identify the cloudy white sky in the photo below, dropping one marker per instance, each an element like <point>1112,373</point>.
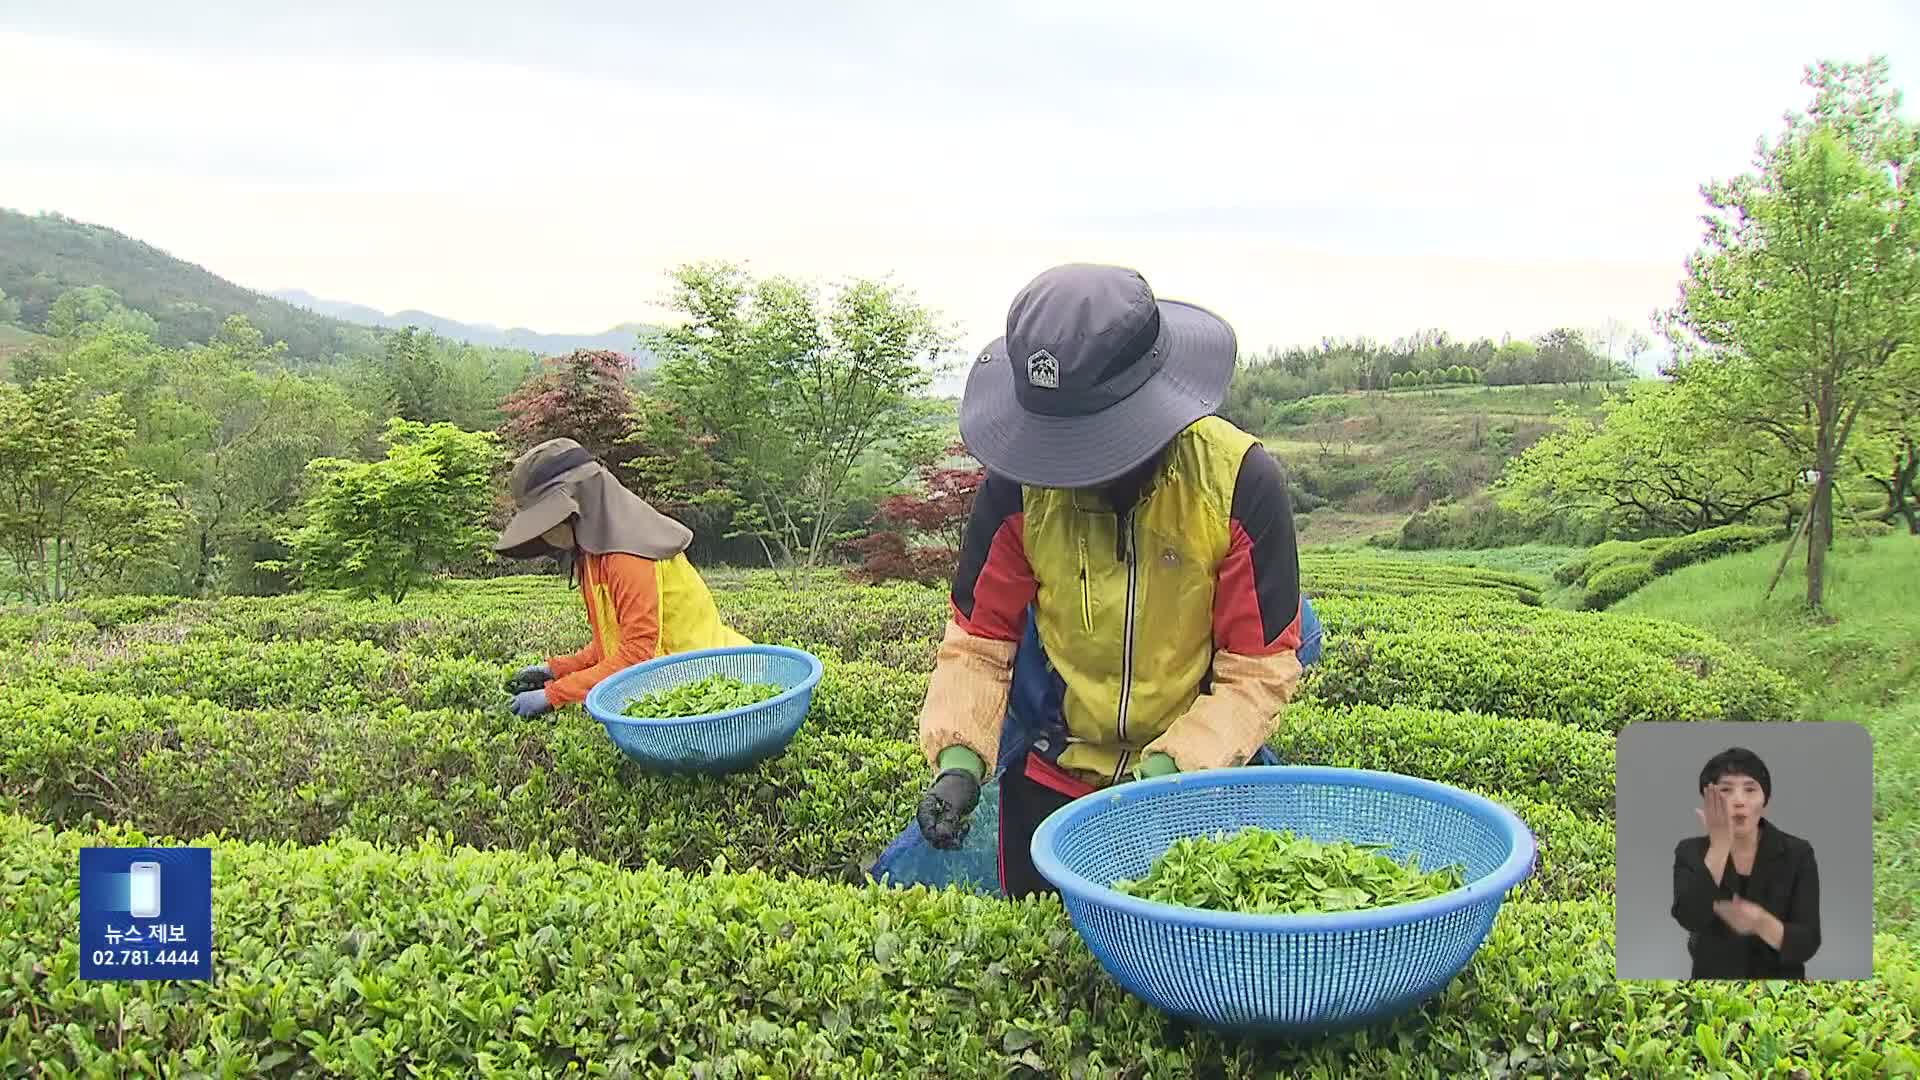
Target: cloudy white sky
<point>1366,170</point>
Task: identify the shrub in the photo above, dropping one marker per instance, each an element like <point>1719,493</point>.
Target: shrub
<point>343,957</point>
<point>386,527</point>
<point>1711,544</point>
<point>1541,759</point>
<point>1595,672</point>
<point>394,776</point>
<point>822,809</point>
<point>1610,586</point>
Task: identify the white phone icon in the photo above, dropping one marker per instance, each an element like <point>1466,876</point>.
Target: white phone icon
<point>143,892</point>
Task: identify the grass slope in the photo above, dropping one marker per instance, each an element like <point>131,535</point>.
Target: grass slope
<point>1861,663</point>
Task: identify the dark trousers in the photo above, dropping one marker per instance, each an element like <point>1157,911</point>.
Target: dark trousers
<point>1029,791</point>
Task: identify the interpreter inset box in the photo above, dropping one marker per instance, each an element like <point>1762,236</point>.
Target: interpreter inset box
<point>1743,851</point>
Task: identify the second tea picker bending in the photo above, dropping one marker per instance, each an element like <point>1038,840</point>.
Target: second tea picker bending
<point>1151,542</point>
<point>643,597</point>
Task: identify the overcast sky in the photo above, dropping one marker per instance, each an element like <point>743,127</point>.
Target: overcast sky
<point>1367,170</point>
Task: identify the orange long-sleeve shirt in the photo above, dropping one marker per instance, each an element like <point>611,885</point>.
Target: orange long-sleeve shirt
<point>623,607</point>
<point>638,609</point>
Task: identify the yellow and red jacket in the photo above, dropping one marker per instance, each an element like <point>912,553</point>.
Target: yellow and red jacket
<point>1173,627</point>
<point>638,609</point>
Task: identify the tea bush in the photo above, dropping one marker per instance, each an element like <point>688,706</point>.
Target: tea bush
<point>614,922</point>
<point>824,808</point>
<point>432,961</point>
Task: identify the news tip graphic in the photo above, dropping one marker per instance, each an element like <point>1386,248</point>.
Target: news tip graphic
<point>146,913</point>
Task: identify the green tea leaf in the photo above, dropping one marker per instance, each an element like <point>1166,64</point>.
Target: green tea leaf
<point>1265,872</point>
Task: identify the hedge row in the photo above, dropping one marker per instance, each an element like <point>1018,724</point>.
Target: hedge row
<point>1543,759</point>
<point>1596,672</point>
<point>822,809</point>
<point>1593,671</point>
<point>520,619</point>
<point>1614,584</point>
<point>490,780</point>
<point>429,962</point>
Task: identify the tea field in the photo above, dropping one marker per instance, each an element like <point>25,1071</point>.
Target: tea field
<point>411,881</point>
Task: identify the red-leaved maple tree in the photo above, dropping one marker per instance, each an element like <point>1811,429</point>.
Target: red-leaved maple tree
<point>582,396</point>
<point>937,512</point>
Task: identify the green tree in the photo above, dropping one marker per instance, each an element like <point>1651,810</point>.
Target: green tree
<point>242,453</point>
<point>1655,465</point>
<point>386,527</point>
<point>1808,285</point>
<point>74,515</point>
<point>1888,456</point>
<point>92,308</point>
<point>793,393</point>
<point>9,309</point>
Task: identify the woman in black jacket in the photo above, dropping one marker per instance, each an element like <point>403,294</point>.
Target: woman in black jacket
<point>1748,893</point>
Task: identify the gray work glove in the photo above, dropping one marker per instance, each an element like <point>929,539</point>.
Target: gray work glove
<point>945,806</point>
<point>529,678</point>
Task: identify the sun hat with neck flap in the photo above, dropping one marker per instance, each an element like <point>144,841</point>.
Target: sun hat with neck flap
<point>1094,376</point>
<point>557,482</point>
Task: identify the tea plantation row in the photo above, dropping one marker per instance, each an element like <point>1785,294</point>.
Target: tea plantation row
<point>624,924</point>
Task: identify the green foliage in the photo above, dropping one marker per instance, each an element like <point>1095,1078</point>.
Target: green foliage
<point>387,526</point>
<point>74,514</point>
<point>1541,759</point>
<point>1609,586</point>
<point>1480,522</point>
<point>1263,872</point>
<point>700,697</point>
<point>1712,544</point>
<point>346,957</point>
<point>46,257</point>
<point>788,396</point>
<point>9,309</point>
<point>1472,655</point>
<point>1655,463</point>
<point>1806,292</point>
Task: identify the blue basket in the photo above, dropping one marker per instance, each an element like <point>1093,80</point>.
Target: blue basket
<point>717,742</point>
<point>1282,975</point>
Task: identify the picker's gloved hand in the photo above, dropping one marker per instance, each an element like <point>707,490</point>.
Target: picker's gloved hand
<point>531,703</point>
<point>954,794</point>
<point>529,678</point>
<point>1156,764</point>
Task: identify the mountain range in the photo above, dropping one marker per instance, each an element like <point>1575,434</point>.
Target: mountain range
<point>622,338</point>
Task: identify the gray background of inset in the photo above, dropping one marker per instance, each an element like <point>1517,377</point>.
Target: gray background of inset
<point>1822,776</point>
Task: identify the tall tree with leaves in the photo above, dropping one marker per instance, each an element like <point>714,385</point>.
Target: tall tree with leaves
<point>386,527</point>
<point>75,517</point>
<point>794,393</point>
<point>582,396</point>
<point>1656,465</point>
<point>1808,285</point>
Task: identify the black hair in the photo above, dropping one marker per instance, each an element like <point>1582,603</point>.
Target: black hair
<point>1737,761</point>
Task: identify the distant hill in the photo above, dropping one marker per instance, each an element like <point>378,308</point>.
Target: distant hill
<point>44,255</point>
<point>622,338</point>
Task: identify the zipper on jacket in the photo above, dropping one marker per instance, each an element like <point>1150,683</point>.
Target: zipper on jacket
<point>1086,595</point>
<point>1126,660</point>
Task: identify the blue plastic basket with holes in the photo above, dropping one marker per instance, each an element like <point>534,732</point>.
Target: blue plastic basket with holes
<point>717,742</point>
<point>1286,976</point>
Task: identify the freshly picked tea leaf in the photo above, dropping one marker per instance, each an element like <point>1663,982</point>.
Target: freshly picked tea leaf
<point>1260,871</point>
<point>713,694</point>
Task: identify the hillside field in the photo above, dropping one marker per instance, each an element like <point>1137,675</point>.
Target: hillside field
<point>410,880</point>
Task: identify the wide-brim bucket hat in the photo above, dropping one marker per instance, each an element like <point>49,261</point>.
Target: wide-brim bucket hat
<point>557,482</point>
<point>1094,376</point>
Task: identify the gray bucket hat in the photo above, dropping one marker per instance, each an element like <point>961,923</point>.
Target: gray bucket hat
<point>558,481</point>
<point>1094,377</point>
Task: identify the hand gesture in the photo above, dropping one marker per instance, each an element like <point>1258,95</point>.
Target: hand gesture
<point>1741,915</point>
<point>1713,817</point>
